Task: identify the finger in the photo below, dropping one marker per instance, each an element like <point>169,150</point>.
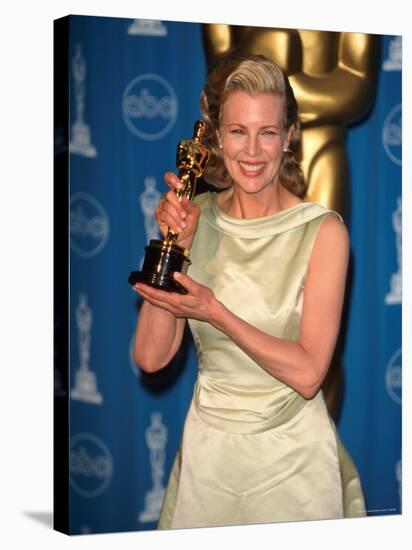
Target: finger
<point>185,281</point>
<point>172,199</point>
<point>172,206</point>
<point>172,181</point>
<point>161,296</point>
<point>190,207</point>
<point>172,220</point>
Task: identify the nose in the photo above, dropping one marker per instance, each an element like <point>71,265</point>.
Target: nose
<point>253,145</point>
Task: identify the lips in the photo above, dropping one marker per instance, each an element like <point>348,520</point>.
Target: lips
<point>252,169</point>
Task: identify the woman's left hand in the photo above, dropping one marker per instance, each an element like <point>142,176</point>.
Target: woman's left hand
<point>197,304</point>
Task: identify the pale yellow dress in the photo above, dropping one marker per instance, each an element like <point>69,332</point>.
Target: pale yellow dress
<point>253,450</point>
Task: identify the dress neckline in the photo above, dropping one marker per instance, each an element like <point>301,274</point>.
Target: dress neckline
<point>262,227</point>
<point>246,221</point>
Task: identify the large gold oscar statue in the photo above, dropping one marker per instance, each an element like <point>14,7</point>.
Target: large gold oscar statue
<point>333,75</point>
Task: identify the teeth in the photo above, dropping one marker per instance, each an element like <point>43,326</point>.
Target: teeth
<point>251,167</point>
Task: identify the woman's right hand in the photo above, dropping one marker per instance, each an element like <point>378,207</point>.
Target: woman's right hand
<point>181,216</point>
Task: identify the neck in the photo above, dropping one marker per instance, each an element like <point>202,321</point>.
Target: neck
<point>239,204</point>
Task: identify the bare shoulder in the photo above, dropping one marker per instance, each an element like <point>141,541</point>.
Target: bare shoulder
<point>331,242</point>
<point>332,231</point>
<point>326,277</point>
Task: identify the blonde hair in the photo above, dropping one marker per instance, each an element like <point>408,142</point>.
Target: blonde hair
<point>253,74</point>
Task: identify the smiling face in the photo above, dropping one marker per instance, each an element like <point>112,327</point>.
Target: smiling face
<point>253,138</point>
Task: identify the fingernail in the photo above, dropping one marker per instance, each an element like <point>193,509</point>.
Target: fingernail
<point>183,225</point>
<point>176,275</point>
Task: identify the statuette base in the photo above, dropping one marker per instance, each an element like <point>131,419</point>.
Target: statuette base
<point>162,259</point>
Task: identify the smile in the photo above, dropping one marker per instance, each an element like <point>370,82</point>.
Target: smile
<point>254,168</point>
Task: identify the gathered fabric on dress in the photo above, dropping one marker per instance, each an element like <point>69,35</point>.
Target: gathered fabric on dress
<point>253,450</point>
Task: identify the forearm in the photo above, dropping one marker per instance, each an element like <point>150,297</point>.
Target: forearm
<point>285,360</point>
<point>158,337</point>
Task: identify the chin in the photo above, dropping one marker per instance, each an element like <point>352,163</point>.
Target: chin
<point>252,191</point>
<point>251,188</point>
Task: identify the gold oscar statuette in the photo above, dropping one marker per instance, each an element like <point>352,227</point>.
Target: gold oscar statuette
<point>163,258</point>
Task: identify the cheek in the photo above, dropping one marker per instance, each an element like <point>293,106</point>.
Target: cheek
<point>231,147</point>
<point>275,152</point>
<point>229,163</point>
<point>273,149</point>
<point>230,152</point>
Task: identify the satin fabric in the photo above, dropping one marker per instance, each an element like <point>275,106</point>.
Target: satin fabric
<point>253,450</point>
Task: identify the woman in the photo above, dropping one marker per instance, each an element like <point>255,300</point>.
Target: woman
<point>264,302</point>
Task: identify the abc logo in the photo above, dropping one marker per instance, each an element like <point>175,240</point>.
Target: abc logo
<point>89,225</point>
<point>149,107</point>
<point>393,377</point>
<point>91,465</point>
<point>392,135</point>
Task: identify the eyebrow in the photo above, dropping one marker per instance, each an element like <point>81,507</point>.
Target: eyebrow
<point>262,127</point>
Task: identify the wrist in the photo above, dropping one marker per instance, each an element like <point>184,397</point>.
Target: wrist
<point>217,313</point>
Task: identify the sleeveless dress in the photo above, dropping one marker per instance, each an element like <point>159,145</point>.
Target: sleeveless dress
<point>253,450</point>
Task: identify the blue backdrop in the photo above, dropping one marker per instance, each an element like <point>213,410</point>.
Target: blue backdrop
<point>134,93</point>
